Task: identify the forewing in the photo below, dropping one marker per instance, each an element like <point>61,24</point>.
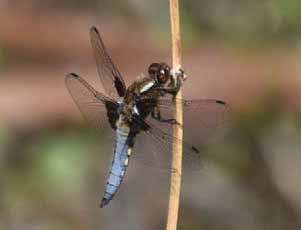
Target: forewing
<point>203,119</point>
<point>109,75</point>
<point>98,109</point>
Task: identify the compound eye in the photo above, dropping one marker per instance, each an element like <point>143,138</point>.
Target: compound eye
<point>162,71</point>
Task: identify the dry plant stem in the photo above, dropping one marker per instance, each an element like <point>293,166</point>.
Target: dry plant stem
<point>175,181</point>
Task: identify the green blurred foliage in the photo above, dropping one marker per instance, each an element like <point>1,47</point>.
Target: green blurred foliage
<point>61,159</point>
<point>249,21</point>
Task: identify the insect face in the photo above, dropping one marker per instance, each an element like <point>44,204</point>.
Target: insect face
<point>160,72</point>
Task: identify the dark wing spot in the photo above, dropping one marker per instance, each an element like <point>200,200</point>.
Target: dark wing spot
<point>195,149</point>
<point>93,28</point>
<point>74,75</point>
<point>220,102</point>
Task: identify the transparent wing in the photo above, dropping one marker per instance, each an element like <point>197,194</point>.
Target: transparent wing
<point>109,75</point>
<point>98,109</point>
<point>153,147</point>
<point>201,120</point>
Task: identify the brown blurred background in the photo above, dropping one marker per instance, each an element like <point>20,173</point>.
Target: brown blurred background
<point>53,166</point>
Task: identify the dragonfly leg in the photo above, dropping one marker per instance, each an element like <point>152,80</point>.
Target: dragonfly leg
<point>156,114</point>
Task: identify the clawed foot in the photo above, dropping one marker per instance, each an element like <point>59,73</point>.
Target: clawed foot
<point>179,77</point>
<point>174,122</point>
<point>179,74</point>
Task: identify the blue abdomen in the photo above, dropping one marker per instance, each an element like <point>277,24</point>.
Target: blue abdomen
<point>122,153</point>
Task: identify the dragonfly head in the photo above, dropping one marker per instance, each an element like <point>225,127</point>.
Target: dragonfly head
<point>159,72</point>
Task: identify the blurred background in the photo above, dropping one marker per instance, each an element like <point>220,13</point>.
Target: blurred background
<point>53,166</point>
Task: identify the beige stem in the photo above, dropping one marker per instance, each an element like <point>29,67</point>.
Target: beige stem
<point>175,181</point>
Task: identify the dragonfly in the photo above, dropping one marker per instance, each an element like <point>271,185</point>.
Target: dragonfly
<point>141,115</point>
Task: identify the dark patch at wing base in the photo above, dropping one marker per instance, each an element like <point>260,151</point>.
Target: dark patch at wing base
<point>109,75</point>
<point>220,102</point>
<point>93,105</point>
<point>112,113</point>
<point>119,85</point>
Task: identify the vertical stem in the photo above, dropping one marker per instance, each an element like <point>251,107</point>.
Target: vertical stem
<point>175,181</point>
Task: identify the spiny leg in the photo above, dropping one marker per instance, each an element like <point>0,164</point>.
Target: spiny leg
<point>156,114</point>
